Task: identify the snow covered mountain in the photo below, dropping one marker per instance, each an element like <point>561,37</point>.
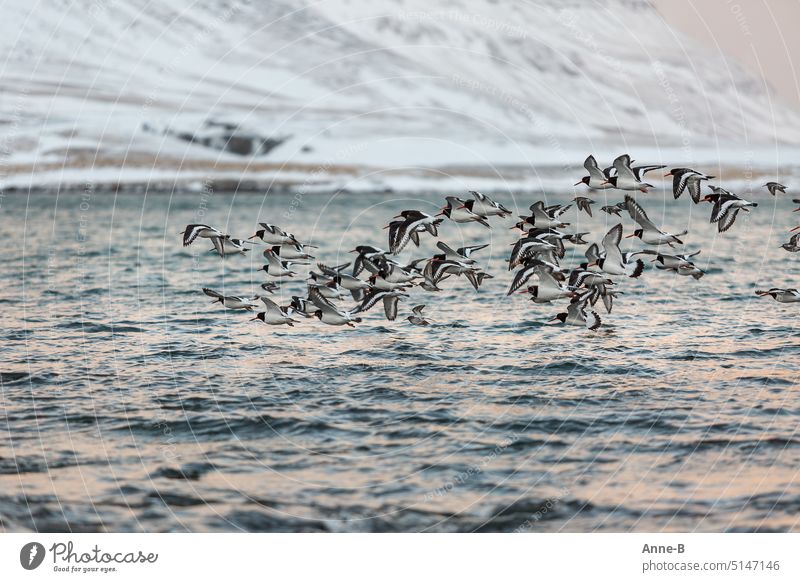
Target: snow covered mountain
<point>147,91</point>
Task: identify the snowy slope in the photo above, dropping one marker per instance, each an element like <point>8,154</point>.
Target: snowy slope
<point>135,87</point>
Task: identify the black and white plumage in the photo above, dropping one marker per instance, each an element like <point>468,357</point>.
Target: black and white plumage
<point>683,178</point>
<point>726,206</point>
<point>274,235</point>
<point>329,314</point>
<point>416,317</point>
<point>529,246</point>
<point>648,232</point>
<point>292,252</point>
<point>628,178</point>
<point>583,203</point>
<point>276,267</point>
<point>274,314</point>
<point>614,209</point>
<point>329,290</point>
<point>792,246</point>
<point>586,278</point>
<point>193,231</point>
<point>367,256</point>
<point>597,179</point>
<point>578,315</point>
<point>406,227</point>
<point>543,217</point>
<point>613,261</point>
<point>485,206</point>
<point>226,245</point>
<point>353,284</point>
<point>548,288</point>
<point>775,187</point>
<point>389,298</point>
<point>332,271</point>
<point>459,211</point>
<point>462,255</point>
<point>530,268</point>
<point>304,307</point>
<point>781,295</point>
<point>232,301</point>
<point>270,286</point>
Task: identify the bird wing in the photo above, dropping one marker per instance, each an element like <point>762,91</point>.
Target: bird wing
<point>271,306</point>
<point>467,251</point>
<point>611,244</point>
<point>317,299</point>
<point>332,271</point>
<point>444,247</point>
<point>191,231</point>
<point>538,210</point>
<point>521,278</point>
<point>219,245</point>
<point>623,167</point>
<point>592,253</point>
<point>390,306</point>
<point>640,171</point>
<point>418,310</point>
<point>694,182</point>
<point>638,214</point>
<point>212,293</point>
<point>679,182</point>
<point>727,219</point>
<point>370,299</point>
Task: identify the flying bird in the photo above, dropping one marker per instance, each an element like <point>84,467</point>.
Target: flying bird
<point>648,232</point>
<point>775,187</point>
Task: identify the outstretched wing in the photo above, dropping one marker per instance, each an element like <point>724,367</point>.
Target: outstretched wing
<point>390,306</point>
<point>192,231</point>
<point>727,219</point>
<point>640,171</point>
<point>212,293</point>
<point>271,306</point>
<point>694,188</point>
<point>638,214</point>
<point>611,244</point>
<point>467,251</point>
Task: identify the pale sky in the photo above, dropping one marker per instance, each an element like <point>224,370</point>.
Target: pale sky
<point>760,34</point>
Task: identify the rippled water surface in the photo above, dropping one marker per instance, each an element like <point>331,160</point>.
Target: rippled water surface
<point>130,403</point>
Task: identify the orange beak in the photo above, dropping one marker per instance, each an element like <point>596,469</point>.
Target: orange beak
<point>631,235</point>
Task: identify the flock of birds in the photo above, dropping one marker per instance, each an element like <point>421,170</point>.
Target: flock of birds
<point>535,257</point>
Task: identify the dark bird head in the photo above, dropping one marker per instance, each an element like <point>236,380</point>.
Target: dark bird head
<point>259,316</point>
<point>636,233</point>
<point>560,318</point>
<point>612,180</point>
<point>318,314</point>
<point>258,234</point>
<point>584,180</point>
<point>713,198</point>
